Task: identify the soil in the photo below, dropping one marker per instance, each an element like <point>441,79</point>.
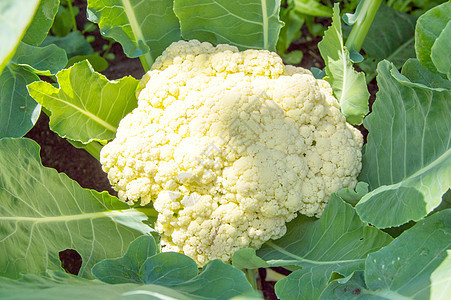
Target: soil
<point>79,165</point>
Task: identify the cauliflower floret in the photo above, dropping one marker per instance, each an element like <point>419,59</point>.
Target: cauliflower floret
<point>230,146</point>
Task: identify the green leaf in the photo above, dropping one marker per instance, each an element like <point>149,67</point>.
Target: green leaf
<point>62,25</point>
<point>337,243</point>
<point>168,269</point>
<point>83,112</point>
<point>97,62</point>
<point>312,8</point>
<point>44,212</point>
<point>226,285</point>
<point>428,29</point>
<point>64,286</point>
<point>126,269</point>
<point>139,26</point>
<point>407,159</point>
<point>425,5</point>
<point>141,264</point>
<point>15,16</point>
<point>348,85</point>
<point>318,73</point>
<point>251,25</point>
<point>293,57</point>
<point>418,73</point>
<point>40,60</point>
<point>407,266</point>
<point>74,44</point>
<point>391,37</point>
<point>351,287</point>
<point>18,111</point>
<point>41,23</point>
<point>291,31</point>
<point>247,259</point>
<point>416,265</point>
<point>440,51</point>
<point>351,196</point>
<point>218,280</point>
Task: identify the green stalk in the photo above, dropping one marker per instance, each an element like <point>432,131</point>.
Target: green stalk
<point>146,62</point>
<point>251,275</point>
<point>71,10</point>
<point>390,2</point>
<point>404,5</point>
<point>362,24</point>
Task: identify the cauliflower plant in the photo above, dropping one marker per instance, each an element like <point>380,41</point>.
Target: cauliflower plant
<point>229,146</point>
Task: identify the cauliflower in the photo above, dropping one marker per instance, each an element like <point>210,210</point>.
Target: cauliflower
<point>229,146</point>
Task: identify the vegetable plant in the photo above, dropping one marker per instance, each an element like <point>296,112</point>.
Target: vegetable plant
<point>202,205</point>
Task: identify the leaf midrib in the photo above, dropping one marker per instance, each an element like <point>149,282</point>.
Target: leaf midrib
<point>265,24</point>
<point>76,217</point>
<point>136,28</point>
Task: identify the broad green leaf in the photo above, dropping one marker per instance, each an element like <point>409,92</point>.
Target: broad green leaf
<point>416,265</point>
<point>424,5</point>
<point>428,29</point>
<point>418,73</point>
<point>407,159</point>
<point>18,111</point>
<point>254,24</point>
<point>126,269</point>
<point>440,280</point>
<point>440,51</point>
<point>253,295</point>
<point>143,28</point>
<point>97,62</point>
<point>168,269</point>
<point>391,37</point>
<point>74,44</point>
<point>348,85</point>
<point>352,287</point>
<point>406,267</point>
<point>85,112</point>
<point>44,212</point>
<point>336,243</point>
<point>62,25</point>
<point>218,280</point>
<point>312,8</point>
<point>15,17</point>
<point>41,23</point>
<point>64,286</point>
<point>40,60</point>
<point>141,264</point>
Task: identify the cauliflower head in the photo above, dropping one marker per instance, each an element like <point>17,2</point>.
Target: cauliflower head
<point>229,146</point>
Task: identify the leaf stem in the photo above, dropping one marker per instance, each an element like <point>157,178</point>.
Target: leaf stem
<point>362,24</point>
<point>145,63</point>
<point>71,10</point>
<point>251,275</point>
